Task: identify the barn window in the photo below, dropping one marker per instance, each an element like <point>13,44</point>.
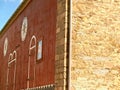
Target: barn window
<point>31,62</point>
<point>32,43</point>
<point>11,72</point>
<point>10,57</point>
<point>14,55</point>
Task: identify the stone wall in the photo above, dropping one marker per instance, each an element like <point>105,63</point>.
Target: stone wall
<point>95,45</point>
<point>61,45</point>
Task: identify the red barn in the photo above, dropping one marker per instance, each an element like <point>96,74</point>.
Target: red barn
<point>27,44</point>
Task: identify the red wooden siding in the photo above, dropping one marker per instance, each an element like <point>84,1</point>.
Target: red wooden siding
<point>41,16</point>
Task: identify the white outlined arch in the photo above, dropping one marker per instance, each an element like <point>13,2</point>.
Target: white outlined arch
<point>14,53</point>
<point>9,59</point>
<point>31,47</point>
<point>12,58</point>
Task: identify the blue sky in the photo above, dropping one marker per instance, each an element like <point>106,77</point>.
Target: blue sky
<point>7,8</point>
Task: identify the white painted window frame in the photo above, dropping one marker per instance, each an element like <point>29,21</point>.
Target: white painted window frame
<point>10,61</point>
<point>31,47</point>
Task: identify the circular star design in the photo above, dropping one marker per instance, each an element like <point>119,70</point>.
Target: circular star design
<point>24,29</point>
<point>5,46</point>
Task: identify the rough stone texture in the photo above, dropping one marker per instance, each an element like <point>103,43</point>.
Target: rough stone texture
<point>95,45</point>
<point>61,45</point>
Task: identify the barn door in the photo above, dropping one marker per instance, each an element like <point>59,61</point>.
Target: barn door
<point>31,63</point>
<point>11,71</point>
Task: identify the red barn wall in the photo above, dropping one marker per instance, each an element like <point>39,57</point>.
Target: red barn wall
<point>41,16</point>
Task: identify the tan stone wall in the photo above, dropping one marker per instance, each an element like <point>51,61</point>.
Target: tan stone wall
<point>95,45</point>
<point>61,45</point>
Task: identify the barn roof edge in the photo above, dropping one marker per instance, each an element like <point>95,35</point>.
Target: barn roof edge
<point>17,12</point>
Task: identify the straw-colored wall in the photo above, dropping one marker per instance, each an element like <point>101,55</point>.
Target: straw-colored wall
<point>96,45</point>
